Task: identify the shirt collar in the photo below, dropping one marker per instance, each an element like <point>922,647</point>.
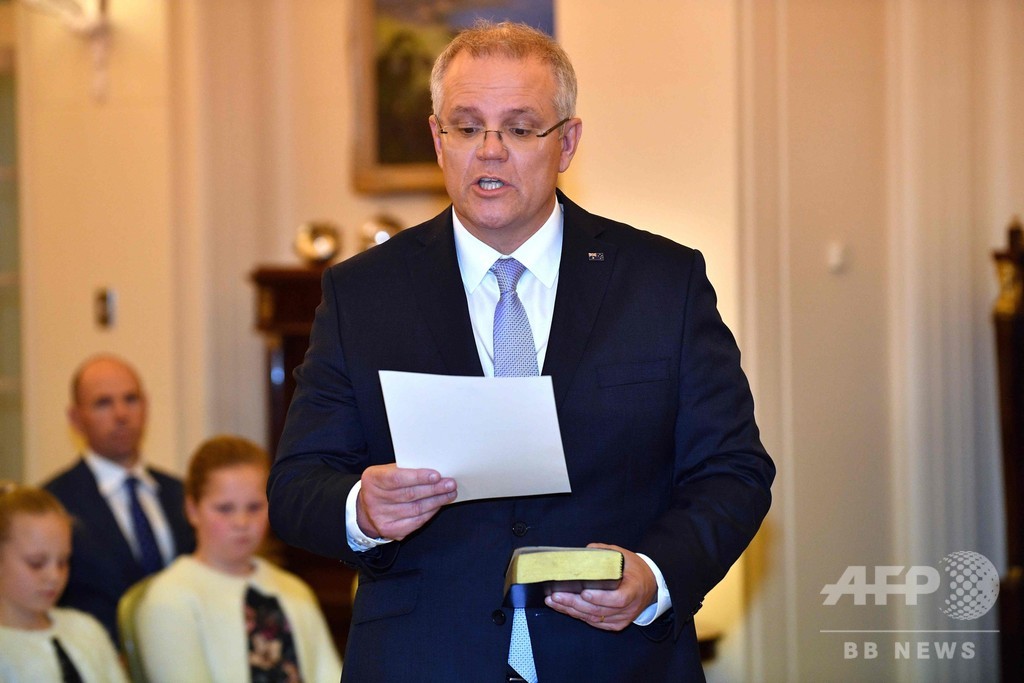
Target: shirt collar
<point>540,254</point>
<point>110,476</point>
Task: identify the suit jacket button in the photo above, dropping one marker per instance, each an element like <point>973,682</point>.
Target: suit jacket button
<point>498,617</point>
<point>520,528</point>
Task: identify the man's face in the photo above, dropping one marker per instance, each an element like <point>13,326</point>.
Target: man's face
<point>502,192</point>
<point>110,411</point>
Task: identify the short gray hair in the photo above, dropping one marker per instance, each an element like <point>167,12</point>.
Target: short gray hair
<point>514,41</point>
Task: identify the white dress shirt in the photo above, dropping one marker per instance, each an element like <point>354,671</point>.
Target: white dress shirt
<point>111,477</point>
<point>541,255</point>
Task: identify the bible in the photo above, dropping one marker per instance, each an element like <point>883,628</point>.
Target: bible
<point>538,571</point>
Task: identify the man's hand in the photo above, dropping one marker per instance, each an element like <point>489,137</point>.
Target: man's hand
<point>394,501</point>
<point>611,610</point>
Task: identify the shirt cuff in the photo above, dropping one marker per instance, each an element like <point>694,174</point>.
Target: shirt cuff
<point>357,540</point>
<point>664,601</point>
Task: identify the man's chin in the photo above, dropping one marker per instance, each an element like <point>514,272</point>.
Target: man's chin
<point>123,457</point>
<point>488,218</point>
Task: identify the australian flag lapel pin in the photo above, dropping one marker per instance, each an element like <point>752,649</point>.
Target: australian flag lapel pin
<point>595,256</point>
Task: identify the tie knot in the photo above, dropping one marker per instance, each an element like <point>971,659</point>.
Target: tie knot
<point>133,483</point>
<point>507,271</point>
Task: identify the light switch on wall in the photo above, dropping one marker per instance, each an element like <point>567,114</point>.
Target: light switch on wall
<point>837,257</point>
<point>105,307</point>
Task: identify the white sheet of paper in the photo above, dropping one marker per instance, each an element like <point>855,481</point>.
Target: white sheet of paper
<point>496,436</point>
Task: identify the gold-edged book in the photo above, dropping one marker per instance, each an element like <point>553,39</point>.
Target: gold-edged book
<point>537,571</point>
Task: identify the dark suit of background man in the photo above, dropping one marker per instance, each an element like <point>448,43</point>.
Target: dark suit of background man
<point>108,408</point>
<point>656,416</point>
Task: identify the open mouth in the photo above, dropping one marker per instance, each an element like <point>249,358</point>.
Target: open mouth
<point>490,183</point>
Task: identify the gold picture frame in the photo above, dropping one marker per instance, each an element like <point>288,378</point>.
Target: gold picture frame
<point>396,43</point>
<point>377,170</point>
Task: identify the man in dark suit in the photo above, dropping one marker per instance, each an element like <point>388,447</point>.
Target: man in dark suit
<point>129,520</point>
<point>655,414</point>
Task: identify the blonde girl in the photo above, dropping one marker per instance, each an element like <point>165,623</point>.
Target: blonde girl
<point>38,641</point>
<point>223,614</point>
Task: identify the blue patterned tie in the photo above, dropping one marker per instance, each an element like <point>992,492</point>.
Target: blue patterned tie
<point>149,553</point>
<point>514,356</point>
<point>514,351</point>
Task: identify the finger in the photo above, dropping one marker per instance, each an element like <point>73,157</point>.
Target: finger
<point>424,482</point>
<point>612,600</point>
<point>396,514</point>
<point>426,505</point>
<point>400,528</point>
<point>417,498</point>
<point>575,606</point>
<point>391,476</point>
<point>638,589</point>
<point>396,524</point>
<point>406,503</point>
<point>598,618</point>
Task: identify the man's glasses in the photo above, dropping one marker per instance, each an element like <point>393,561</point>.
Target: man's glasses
<point>467,135</point>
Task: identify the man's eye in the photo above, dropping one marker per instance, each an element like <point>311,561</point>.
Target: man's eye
<point>468,131</point>
<point>517,132</point>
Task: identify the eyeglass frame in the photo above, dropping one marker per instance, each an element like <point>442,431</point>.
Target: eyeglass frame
<point>441,130</point>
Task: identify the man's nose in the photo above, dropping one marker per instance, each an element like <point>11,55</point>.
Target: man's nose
<point>492,147</point>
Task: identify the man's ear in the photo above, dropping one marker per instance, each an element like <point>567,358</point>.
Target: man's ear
<point>435,134</point>
<point>75,418</point>
<point>572,132</point>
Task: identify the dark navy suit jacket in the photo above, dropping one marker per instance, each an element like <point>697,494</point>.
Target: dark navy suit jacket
<point>102,563</point>
<point>656,418</point>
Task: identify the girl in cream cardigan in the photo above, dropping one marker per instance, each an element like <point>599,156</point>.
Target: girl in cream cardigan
<point>40,642</point>
<point>222,614</point>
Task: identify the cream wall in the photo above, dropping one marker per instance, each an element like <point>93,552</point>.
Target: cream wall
<point>6,24</point>
<point>881,127</point>
<point>96,212</point>
<point>814,166</point>
<point>659,143</point>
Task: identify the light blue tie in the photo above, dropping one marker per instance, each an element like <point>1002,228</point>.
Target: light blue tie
<point>514,352</point>
<point>514,356</point>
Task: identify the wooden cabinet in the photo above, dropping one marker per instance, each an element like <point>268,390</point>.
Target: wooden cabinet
<point>286,302</point>
<point>1008,318</point>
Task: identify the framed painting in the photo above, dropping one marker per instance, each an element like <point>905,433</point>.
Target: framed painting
<point>397,42</point>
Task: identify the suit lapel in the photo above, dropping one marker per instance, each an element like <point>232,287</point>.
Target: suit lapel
<point>583,276</point>
<point>441,297</point>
